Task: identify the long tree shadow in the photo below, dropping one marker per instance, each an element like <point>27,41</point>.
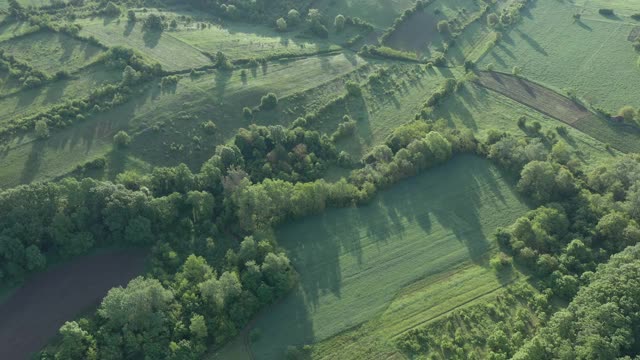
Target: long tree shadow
<point>33,163</point>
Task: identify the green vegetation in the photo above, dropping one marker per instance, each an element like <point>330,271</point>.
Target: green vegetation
<point>561,64</point>
<point>331,179</point>
<point>407,234</point>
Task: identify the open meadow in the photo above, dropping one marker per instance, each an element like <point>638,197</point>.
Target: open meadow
<point>590,57</point>
<point>422,230</point>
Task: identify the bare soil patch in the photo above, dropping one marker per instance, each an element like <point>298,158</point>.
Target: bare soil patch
<point>533,95</point>
<point>32,315</point>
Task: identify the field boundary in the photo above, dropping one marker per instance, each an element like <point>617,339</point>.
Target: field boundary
<point>511,96</point>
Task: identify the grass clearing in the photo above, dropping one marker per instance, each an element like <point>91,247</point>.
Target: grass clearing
<point>420,229</point>
<point>51,52</point>
<point>591,57</point>
<point>244,41</point>
<point>170,52</point>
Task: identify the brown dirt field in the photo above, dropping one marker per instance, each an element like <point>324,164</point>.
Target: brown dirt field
<point>32,315</point>
<point>533,95</point>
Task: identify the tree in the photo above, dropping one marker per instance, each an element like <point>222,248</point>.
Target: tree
<point>443,27</point>
<point>339,22</point>
<point>75,342</point>
<point>516,71</point>
<point>131,16</point>
<point>293,17</point>
<point>35,259</point>
<point>129,75</point>
<point>281,24</point>
<point>153,22</point>
<point>122,139</point>
<point>269,102</point>
<point>42,129</point>
<point>198,327</point>
<point>112,9</point>
<point>628,113</point>
<point>493,20</point>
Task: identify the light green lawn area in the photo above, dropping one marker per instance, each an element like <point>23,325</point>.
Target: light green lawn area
<point>592,56</point>
<point>12,29</point>
<point>170,52</point>
<point>51,52</point>
<point>354,262</point>
<point>380,13</point>
<point>216,95</point>
<point>482,110</point>
<point>244,41</point>
<point>32,101</point>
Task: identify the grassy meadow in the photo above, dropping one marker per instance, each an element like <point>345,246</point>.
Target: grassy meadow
<point>163,119</point>
<point>481,110</point>
<point>409,240</point>
<point>591,57</point>
<point>50,52</point>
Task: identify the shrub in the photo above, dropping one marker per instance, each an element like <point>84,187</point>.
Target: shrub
<point>339,22</point>
<point>111,9</point>
<point>501,262</point>
<point>606,12</point>
<point>269,102</point>
<point>493,20</point>
<point>293,17</point>
<point>281,24</point>
<point>122,139</point>
<point>516,71</point>
<point>209,127</point>
<point>628,113</point>
<point>353,88</point>
<point>247,113</point>
<point>42,129</point>
<point>443,27</point>
<point>153,22</point>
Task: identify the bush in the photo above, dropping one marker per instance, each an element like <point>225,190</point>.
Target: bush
<point>122,139</point>
<point>628,113</point>
<point>339,22</point>
<point>353,88</point>
<point>293,17</point>
<point>247,113</point>
<point>493,20</point>
<point>606,12</point>
<point>443,27</point>
<point>153,22</point>
<point>269,102</point>
<point>281,24</point>
<point>42,129</point>
<point>209,127</point>
<point>501,262</point>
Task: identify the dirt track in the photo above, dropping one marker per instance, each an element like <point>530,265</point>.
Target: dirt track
<point>33,314</point>
<point>533,95</point>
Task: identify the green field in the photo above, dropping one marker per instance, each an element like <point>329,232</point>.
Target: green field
<point>241,41</point>
<point>591,57</point>
<point>158,46</point>
<point>482,110</point>
<point>420,230</point>
<point>178,114</point>
<point>50,52</point>
<point>32,101</point>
